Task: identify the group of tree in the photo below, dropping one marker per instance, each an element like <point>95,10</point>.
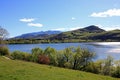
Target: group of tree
<point>72,58</point>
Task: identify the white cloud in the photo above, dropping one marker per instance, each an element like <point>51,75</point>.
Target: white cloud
<point>59,29</point>
<point>27,19</point>
<point>74,28</point>
<point>73,18</point>
<point>108,13</point>
<point>35,24</point>
<point>99,25</point>
<point>113,27</point>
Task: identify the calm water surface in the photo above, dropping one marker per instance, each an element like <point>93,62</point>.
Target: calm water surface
<point>102,49</point>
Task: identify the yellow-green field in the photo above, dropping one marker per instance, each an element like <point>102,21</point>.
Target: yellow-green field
<point>21,70</point>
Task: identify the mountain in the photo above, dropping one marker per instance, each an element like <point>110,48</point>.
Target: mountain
<point>92,28</point>
<point>79,34</point>
<point>37,35</point>
<point>90,33</point>
<point>113,35</point>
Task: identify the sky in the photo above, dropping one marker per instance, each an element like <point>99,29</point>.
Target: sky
<point>26,16</point>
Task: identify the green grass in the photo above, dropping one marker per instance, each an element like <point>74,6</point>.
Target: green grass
<point>20,70</point>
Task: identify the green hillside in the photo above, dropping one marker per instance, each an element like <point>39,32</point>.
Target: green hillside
<point>90,33</point>
<point>20,70</point>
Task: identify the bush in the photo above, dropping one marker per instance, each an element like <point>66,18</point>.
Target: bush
<point>35,54</point>
<point>43,59</point>
<point>116,73</point>
<point>4,50</point>
<point>52,54</point>
<point>20,55</point>
<point>68,65</point>
<point>92,67</point>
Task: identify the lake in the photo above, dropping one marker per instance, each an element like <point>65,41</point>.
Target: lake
<point>102,49</point>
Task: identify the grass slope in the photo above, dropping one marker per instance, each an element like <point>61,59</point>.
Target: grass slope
<point>20,70</point>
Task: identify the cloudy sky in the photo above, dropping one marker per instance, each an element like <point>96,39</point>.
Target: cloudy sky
<point>25,16</point>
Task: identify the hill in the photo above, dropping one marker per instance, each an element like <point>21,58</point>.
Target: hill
<point>37,35</point>
<point>79,34</point>
<point>90,29</point>
<point>90,33</point>
<point>20,70</point>
<point>113,35</point>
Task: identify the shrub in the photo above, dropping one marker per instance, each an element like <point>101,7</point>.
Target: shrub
<point>68,65</point>
<point>43,59</point>
<point>60,59</point>
<point>35,54</point>
<point>4,50</point>
<point>20,55</point>
<point>37,51</point>
<point>52,54</point>
<point>82,58</point>
<point>108,64</point>
<point>116,73</point>
<point>92,67</point>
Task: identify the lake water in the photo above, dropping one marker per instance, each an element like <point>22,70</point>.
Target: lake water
<point>102,49</point>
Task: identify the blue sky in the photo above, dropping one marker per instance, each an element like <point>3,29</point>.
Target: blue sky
<point>25,16</point>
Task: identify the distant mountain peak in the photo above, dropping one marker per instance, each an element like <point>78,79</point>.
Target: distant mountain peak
<point>92,28</point>
<point>36,35</point>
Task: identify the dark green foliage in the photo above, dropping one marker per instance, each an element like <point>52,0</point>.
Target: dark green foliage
<point>20,55</point>
<point>116,71</point>
<point>92,67</point>
<point>4,50</point>
<point>52,54</point>
<point>35,53</point>
<point>68,57</point>
<point>107,66</point>
<point>82,58</point>
<point>60,59</point>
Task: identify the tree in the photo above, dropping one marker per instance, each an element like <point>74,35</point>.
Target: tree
<point>116,72</point>
<point>107,67</point>
<point>68,57</point>
<point>35,54</point>
<point>51,53</point>
<point>82,58</point>
<point>3,34</point>
<point>77,58</point>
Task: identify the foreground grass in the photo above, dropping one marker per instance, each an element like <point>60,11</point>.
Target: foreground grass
<point>20,70</point>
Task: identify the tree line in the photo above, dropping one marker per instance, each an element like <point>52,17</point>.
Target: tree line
<point>72,58</point>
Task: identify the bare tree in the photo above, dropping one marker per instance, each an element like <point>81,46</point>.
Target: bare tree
<point>3,34</point>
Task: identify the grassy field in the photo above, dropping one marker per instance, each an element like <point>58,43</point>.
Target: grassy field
<point>20,70</point>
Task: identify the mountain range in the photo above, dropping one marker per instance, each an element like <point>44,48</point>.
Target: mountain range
<point>89,33</point>
<point>37,35</point>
